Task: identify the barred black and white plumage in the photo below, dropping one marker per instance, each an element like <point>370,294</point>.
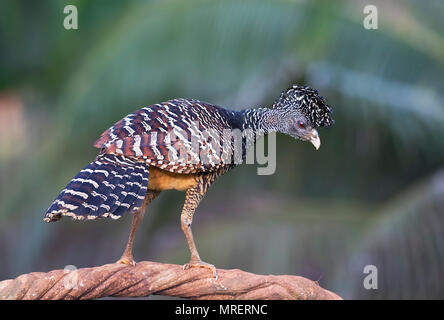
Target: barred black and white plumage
<point>107,187</point>
<point>146,134</point>
<point>182,144</point>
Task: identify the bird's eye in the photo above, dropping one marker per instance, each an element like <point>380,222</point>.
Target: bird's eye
<point>301,124</point>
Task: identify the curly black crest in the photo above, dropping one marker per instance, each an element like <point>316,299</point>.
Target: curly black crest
<point>311,104</point>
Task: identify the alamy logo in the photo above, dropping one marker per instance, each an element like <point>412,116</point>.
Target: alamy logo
<point>371,19</point>
<point>71,20</point>
<point>371,281</point>
<point>71,277</point>
<point>211,148</point>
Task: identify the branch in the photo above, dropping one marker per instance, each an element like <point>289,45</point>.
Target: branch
<point>146,278</point>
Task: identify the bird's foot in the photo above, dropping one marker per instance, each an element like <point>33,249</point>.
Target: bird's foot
<point>127,260</point>
<point>200,264</point>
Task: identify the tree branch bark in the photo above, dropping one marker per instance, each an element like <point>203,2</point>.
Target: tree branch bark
<point>146,278</point>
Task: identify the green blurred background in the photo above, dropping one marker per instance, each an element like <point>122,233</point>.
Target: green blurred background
<point>373,194</point>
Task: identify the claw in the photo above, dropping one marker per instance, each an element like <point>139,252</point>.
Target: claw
<point>128,261</point>
<point>201,264</point>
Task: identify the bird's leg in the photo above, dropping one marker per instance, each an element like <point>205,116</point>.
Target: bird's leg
<point>127,256</point>
<point>192,200</point>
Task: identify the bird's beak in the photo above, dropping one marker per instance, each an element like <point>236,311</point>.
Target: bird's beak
<point>313,137</point>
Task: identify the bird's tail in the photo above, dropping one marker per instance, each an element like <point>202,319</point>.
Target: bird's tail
<point>107,187</point>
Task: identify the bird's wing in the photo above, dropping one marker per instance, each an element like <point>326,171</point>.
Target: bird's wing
<point>181,135</point>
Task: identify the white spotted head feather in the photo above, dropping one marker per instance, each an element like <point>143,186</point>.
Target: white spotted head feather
<point>308,102</point>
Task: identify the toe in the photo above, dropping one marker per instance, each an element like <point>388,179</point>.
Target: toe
<point>127,261</point>
<point>201,264</point>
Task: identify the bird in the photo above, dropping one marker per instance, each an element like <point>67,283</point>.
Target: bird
<point>181,144</point>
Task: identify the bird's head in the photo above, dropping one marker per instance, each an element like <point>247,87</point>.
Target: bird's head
<point>301,110</point>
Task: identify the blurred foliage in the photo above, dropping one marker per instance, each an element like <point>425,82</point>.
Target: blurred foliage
<point>368,196</point>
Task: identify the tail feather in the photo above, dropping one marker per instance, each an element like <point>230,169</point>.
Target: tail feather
<point>98,198</point>
<point>94,188</point>
<point>126,201</point>
<point>132,189</point>
<point>133,186</point>
<point>118,194</point>
<point>142,190</point>
<point>107,187</point>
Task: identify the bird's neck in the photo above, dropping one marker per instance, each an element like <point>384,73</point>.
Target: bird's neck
<point>260,119</point>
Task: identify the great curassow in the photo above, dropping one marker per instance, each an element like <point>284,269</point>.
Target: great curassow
<point>181,144</point>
